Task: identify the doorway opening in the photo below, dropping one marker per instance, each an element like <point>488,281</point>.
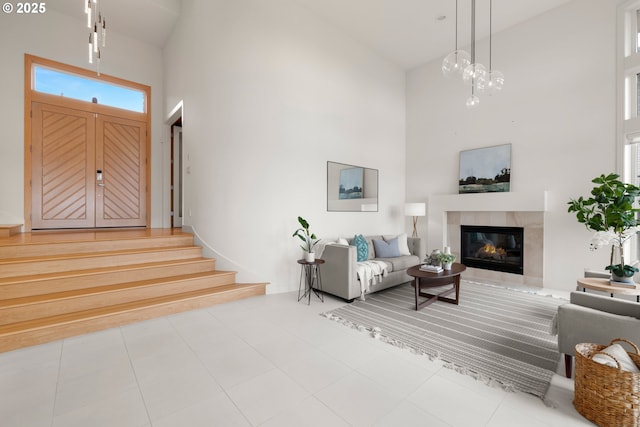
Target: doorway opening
<point>176,193</point>
<point>176,173</point>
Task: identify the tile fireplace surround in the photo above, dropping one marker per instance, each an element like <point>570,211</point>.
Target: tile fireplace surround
<point>446,214</point>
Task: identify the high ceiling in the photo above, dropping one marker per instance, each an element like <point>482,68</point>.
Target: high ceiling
<point>407,32</point>
<point>148,20</point>
<point>412,32</point>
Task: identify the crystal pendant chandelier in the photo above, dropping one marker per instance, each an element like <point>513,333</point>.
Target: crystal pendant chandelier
<point>494,80</point>
<point>456,61</point>
<point>473,73</point>
<point>97,31</point>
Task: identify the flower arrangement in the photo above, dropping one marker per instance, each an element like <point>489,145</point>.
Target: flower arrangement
<point>446,258</point>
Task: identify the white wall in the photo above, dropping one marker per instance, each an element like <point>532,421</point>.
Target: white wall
<point>64,39</point>
<point>271,93</point>
<point>558,109</point>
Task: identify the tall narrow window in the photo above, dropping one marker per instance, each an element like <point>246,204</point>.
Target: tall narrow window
<point>629,104</point>
<point>637,31</point>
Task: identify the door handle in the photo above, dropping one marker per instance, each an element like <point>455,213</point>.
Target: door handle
<point>99,178</point>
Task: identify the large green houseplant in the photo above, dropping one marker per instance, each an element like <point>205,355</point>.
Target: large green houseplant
<point>611,213</point>
<point>309,239</point>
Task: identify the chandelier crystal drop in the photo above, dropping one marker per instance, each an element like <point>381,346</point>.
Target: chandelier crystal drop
<point>97,25</point>
<point>492,83</point>
<point>494,80</point>
<point>455,63</point>
<point>474,74</point>
<point>472,101</point>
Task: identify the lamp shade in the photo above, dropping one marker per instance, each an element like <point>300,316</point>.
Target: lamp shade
<point>415,209</point>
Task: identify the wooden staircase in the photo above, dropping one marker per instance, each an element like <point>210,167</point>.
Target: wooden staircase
<point>55,285</point>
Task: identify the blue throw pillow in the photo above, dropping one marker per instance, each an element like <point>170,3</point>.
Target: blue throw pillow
<point>362,247</point>
<point>388,249</point>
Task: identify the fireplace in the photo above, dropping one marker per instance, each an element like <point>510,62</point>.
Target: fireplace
<point>492,248</point>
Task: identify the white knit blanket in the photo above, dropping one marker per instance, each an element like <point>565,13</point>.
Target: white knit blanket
<point>370,272</point>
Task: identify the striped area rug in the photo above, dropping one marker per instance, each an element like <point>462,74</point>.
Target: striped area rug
<point>498,335</point>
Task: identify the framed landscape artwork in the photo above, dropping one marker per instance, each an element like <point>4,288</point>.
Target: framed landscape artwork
<point>351,188</point>
<point>485,170</point>
<point>351,183</point>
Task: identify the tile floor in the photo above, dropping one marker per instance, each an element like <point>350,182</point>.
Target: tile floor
<point>266,361</point>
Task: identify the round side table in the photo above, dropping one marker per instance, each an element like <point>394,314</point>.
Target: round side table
<point>310,279</point>
<point>604,285</point>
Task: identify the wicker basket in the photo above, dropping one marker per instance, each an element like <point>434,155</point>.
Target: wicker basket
<point>607,396</point>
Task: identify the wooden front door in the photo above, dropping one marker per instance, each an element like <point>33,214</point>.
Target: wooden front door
<point>88,170</point>
<point>121,158</point>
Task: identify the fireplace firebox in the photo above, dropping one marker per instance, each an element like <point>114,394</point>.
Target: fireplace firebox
<point>493,248</point>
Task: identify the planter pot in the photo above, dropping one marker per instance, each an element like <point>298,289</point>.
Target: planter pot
<point>309,256</point>
<point>623,279</point>
<point>447,265</point>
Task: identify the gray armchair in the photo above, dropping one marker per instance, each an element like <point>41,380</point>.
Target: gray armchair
<point>590,318</point>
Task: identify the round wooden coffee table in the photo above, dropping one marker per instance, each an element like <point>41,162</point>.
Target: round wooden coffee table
<point>426,279</point>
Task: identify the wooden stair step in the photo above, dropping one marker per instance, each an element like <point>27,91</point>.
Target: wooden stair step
<point>22,286</point>
<point>17,248</point>
<point>37,331</point>
<point>7,230</point>
<point>47,305</point>
<point>53,264</point>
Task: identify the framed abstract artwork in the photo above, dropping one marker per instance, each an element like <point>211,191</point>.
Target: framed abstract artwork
<point>485,170</point>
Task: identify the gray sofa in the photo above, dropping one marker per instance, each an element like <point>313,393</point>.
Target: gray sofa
<point>590,318</point>
<point>339,272</point>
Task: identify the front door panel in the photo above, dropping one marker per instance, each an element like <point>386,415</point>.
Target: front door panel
<point>121,159</point>
<point>63,166</point>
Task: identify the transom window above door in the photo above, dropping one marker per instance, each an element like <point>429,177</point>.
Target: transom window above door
<point>82,88</point>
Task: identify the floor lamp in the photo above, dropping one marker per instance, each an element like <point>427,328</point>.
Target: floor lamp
<point>415,210</point>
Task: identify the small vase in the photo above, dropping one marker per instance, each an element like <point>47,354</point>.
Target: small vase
<point>447,266</point>
<point>309,256</point>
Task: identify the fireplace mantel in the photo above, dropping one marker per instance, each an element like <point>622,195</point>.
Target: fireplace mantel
<point>488,202</point>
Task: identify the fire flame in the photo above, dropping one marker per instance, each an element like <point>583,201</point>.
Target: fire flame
<point>490,249</point>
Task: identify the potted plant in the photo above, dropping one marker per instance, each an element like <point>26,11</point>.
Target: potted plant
<point>446,259</point>
<point>309,239</point>
<point>610,212</point>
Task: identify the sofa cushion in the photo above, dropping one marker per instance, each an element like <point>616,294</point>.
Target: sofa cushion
<point>386,249</point>
<point>401,262</point>
<point>403,245</point>
<point>372,249</point>
<point>362,247</point>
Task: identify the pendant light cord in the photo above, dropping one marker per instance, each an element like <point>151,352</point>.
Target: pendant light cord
<point>490,31</point>
<point>456,25</point>
<point>473,31</point>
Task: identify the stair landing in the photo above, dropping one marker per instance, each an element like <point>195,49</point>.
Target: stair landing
<point>58,284</point>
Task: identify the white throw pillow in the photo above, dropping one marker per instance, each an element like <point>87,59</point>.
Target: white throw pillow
<point>617,351</point>
<point>403,245</point>
<point>342,241</point>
